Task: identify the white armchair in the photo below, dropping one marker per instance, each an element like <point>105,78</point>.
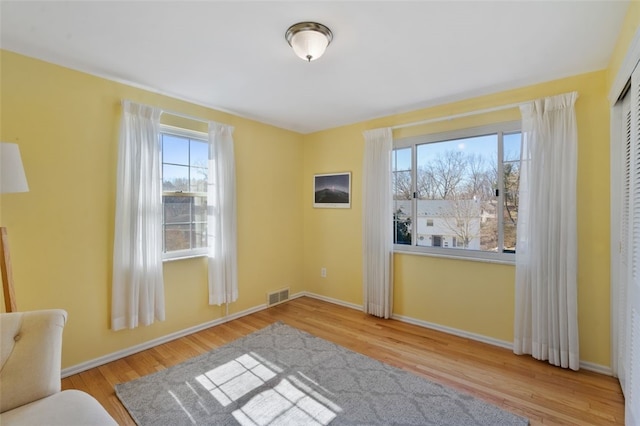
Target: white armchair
<point>30,392</point>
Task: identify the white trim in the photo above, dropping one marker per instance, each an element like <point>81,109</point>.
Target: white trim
<point>69,371</point>
<point>183,257</point>
<point>509,126</point>
<point>187,116</point>
<point>461,115</point>
<point>454,331</point>
<point>170,256</point>
<point>602,369</point>
<point>596,368</point>
<point>420,251</point>
<point>181,131</point>
<point>332,300</point>
<point>615,207</point>
<point>79,368</point>
<point>626,69</point>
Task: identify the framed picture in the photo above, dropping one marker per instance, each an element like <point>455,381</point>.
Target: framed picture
<point>332,190</point>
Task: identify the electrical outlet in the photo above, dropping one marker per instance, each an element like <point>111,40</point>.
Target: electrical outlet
<point>323,272</point>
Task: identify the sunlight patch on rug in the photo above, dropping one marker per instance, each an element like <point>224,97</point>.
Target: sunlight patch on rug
<point>285,401</point>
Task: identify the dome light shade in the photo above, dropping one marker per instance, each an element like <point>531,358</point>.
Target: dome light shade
<point>309,40</point>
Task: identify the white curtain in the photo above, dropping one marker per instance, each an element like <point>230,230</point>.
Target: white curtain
<point>221,216</point>
<point>377,219</point>
<point>546,317</point>
<point>137,288</point>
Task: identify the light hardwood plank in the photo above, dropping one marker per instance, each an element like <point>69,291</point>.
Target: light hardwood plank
<point>545,394</point>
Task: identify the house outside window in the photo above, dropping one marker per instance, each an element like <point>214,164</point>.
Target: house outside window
<point>456,193</point>
<point>185,157</point>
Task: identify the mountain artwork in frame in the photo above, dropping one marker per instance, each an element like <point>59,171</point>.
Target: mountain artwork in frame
<point>332,190</point>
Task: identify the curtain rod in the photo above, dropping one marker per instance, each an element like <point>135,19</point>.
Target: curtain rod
<point>461,115</point>
<point>187,116</point>
<point>174,113</point>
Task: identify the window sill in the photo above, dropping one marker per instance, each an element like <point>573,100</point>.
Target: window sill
<point>405,250</point>
<point>186,256</point>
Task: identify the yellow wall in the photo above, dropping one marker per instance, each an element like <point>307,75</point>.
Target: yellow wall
<point>471,296</point>
<point>61,231</point>
<point>627,33</point>
<point>332,237</point>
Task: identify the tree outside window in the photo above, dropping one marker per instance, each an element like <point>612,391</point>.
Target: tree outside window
<point>465,191</point>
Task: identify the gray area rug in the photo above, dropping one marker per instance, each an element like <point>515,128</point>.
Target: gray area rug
<point>284,376</point>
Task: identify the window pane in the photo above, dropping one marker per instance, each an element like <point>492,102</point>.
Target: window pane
<point>511,150</point>
<point>185,221</point>
<point>401,159</point>
<point>402,226</point>
<point>175,149</point>
<point>199,165</point>
<point>402,195</point>
<point>511,176</point>
<point>184,168</point>
<point>199,153</point>
<point>456,202</point>
<point>509,226</point>
<point>198,179</point>
<point>200,209</point>
<point>199,234</point>
<point>177,209</point>
<point>177,237</point>
<point>175,178</point>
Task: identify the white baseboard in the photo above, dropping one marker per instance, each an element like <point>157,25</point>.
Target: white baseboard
<point>596,368</point>
<point>331,300</point>
<point>590,366</point>
<point>454,331</point>
<point>602,369</point>
<point>79,368</point>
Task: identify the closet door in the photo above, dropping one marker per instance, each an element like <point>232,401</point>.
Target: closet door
<point>632,363</point>
<point>624,260</point>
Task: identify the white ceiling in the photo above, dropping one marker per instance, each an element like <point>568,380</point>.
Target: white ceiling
<point>386,56</point>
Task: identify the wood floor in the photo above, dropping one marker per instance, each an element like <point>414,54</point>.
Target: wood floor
<point>545,394</point>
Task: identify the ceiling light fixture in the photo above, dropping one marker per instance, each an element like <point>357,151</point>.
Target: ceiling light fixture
<point>309,40</point>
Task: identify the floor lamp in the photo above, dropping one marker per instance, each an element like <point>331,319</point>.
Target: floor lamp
<point>12,179</point>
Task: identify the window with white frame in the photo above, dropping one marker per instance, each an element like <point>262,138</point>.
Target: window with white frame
<point>185,158</point>
<point>456,193</point>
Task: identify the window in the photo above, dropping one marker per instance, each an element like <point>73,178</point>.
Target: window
<point>456,193</point>
<point>185,158</point>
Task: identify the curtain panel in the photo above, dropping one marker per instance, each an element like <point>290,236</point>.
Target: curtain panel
<point>137,288</point>
<point>221,216</point>
<point>377,219</point>
<point>546,317</point>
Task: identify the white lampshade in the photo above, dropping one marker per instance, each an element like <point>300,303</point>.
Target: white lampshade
<point>309,40</point>
<point>12,177</point>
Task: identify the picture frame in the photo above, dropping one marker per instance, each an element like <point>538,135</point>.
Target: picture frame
<point>332,190</point>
